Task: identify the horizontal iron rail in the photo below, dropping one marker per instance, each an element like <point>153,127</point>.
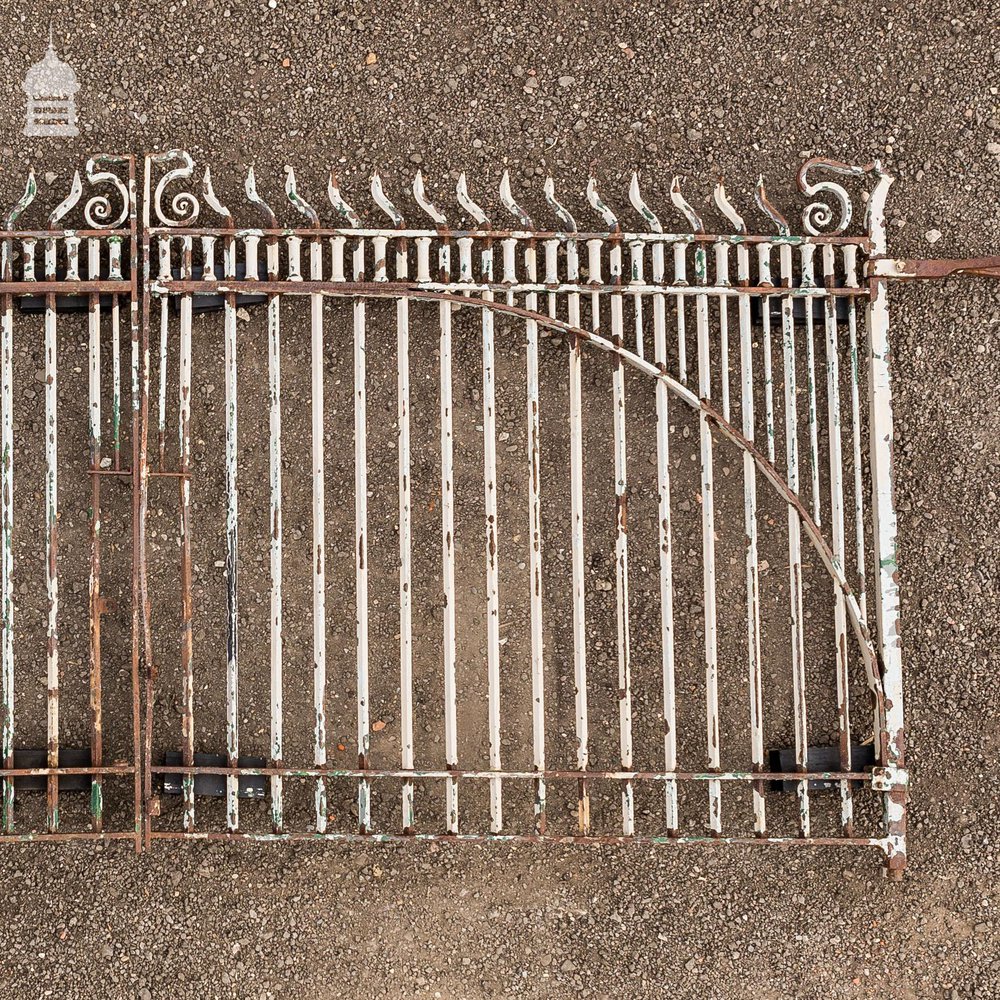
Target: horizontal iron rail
<point>610,840</point>
<point>555,775</point>
<point>498,235</point>
<point>27,772</point>
<point>67,286</point>
<point>393,289</point>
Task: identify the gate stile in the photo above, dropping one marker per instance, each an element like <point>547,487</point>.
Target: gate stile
<point>811,290</point>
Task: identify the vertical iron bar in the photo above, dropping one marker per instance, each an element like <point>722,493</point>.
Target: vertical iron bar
<point>7,540</point>
<point>808,251</point>
<point>892,750</point>
<point>405,584</point>
<point>115,271</point>
<point>680,278</point>
<point>665,542</point>
<point>764,279</point>
<point>232,545</point>
<point>361,538</point>
<point>138,505</point>
<point>837,529</point>
<point>184,485</point>
<point>448,547</point>
<point>274,452</point>
<point>52,537</point>
<point>794,541</point>
<point>621,531</point>
<point>576,517</point>
<point>96,601</point>
<point>708,545</point>
<point>163,247</point>
<point>851,281</point>
<point>535,541</point>
<point>637,250</point>
<point>492,529</point>
<point>754,666</point>
<point>722,278</point>
<point>319,530</point>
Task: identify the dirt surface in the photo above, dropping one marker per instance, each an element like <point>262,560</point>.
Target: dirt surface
<point>565,89</point>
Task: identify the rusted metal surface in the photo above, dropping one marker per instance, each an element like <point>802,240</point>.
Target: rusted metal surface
<point>665,309</point>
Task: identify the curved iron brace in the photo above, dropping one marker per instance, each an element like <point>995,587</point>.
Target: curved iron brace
<point>681,392</point>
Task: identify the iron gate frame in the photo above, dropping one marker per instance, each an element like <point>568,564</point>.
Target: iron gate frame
<point>889,778</point>
<point>877,635</point>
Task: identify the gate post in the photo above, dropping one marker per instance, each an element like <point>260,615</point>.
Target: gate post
<point>892,739</point>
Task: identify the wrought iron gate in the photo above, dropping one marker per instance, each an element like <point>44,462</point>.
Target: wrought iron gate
<point>48,272</point>
<point>490,603</point>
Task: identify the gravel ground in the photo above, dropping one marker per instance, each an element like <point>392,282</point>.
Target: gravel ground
<point>562,88</point>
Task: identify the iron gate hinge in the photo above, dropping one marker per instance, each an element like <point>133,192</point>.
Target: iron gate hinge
<point>908,268</point>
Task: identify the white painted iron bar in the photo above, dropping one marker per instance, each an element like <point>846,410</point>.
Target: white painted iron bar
<point>184,485</point>
<point>52,538</point>
<point>808,280</point>
<point>576,516</point>
<point>492,537</point>
<point>838,542</point>
<point>665,545</point>
<point>115,271</point>
<point>861,581</point>
<point>232,545</point>
<point>621,551</point>
<point>275,533</point>
<point>754,665</point>
<point>621,518</point>
<point>794,543</point>
<point>552,256</point>
<point>637,251</point>
<point>535,543</point>
<point>722,278</point>
<point>361,537</point>
<point>764,278</point>
<point>94,587</point>
<point>317,397</point>
<point>163,252</point>
<point>680,278</point>
<point>7,541</point>
<point>708,550</point>
<point>405,584</point>
<point>887,612</point>
<point>448,549</point>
